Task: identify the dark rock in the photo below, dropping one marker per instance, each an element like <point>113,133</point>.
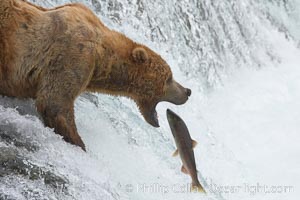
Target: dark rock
<point>23,106</point>
<point>91,98</point>
<point>6,197</point>
<point>11,162</point>
<point>9,135</point>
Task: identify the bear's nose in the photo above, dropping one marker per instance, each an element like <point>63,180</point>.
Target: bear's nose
<point>188,92</point>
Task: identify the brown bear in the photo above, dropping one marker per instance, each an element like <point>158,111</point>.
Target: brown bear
<point>53,55</point>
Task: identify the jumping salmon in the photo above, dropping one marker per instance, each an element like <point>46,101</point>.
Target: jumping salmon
<point>185,146</point>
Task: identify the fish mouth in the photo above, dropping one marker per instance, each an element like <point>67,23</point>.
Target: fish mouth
<point>150,115</point>
<point>170,112</point>
<point>171,115</point>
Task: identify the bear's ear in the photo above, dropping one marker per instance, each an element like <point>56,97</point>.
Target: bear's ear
<point>139,55</point>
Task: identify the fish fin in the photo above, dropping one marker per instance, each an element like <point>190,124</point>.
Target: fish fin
<point>175,153</point>
<point>197,187</point>
<point>183,170</point>
<point>194,143</point>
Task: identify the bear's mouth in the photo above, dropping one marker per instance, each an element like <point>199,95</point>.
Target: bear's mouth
<point>150,115</point>
<point>155,122</point>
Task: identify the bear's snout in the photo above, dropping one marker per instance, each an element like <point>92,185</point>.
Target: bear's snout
<point>176,93</point>
<point>188,92</point>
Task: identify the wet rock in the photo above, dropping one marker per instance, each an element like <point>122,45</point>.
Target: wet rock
<point>9,135</point>
<point>12,162</point>
<point>91,98</point>
<point>24,107</point>
<point>6,197</point>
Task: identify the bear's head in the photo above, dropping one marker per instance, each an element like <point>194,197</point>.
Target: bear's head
<point>154,83</point>
<point>143,76</point>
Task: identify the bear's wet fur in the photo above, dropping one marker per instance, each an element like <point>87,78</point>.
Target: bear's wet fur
<point>53,55</point>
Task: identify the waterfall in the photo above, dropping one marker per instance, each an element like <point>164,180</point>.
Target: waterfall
<point>240,58</point>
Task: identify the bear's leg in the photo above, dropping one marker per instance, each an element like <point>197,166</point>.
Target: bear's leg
<point>55,100</point>
<point>61,118</point>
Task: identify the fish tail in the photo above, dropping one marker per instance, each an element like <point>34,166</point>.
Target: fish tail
<point>197,187</point>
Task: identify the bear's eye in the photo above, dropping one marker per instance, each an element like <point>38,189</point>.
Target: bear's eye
<point>169,80</point>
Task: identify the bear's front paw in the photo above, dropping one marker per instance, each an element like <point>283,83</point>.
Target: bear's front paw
<point>76,141</point>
